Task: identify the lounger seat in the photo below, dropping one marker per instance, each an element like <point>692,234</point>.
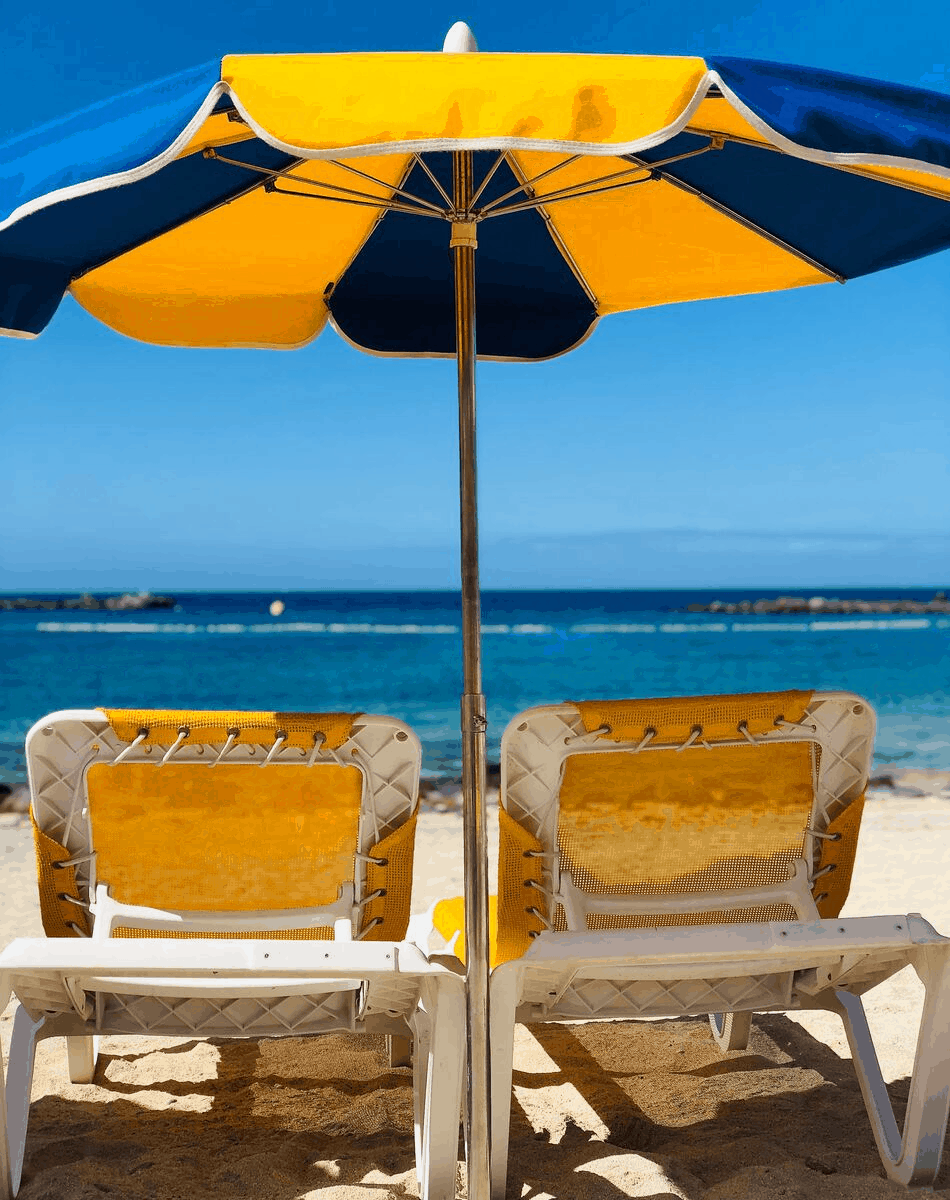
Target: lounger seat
<point>187,892</point>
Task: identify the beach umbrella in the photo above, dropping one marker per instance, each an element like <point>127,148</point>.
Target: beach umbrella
<point>466,205</point>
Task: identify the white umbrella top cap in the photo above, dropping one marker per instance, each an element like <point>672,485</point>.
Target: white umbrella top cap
<point>459,40</point>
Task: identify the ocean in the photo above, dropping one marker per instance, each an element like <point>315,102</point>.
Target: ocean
<point>399,653</point>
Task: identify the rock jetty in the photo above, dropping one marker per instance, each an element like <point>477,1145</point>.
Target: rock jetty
<point>810,605</point>
<point>127,602</point>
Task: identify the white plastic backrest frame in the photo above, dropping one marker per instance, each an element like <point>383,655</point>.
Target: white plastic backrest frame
<point>62,747</point>
<point>538,742</point>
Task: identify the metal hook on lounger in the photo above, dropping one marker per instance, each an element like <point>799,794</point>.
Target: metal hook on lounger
<point>827,837</point>
<point>743,728</point>
<point>372,925</point>
<point>695,733</point>
<point>368,858</point>
<point>793,727</point>
<point>279,739</point>
<point>124,754</point>
<point>545,891</point>
<point>233,734</point>
<point>590,735</point>
<point>173,749</point>
<point>318,739</point>
<point>74,861</point>
<point>536,912</point>
<point>648,735</point>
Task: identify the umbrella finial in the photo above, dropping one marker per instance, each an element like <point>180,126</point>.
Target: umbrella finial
<point>459,40</point>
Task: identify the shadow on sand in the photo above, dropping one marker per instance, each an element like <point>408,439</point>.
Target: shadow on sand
<point>329,1117</point>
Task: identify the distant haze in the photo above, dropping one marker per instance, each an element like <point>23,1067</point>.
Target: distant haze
<point>660,558</point>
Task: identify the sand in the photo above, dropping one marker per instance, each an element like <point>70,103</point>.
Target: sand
<point>600,1111</point>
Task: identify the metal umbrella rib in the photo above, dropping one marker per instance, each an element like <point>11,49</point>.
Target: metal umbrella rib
<point>418,207</point>
<point>589,187</point>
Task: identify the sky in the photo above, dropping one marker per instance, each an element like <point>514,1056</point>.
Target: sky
<point>794,439</point>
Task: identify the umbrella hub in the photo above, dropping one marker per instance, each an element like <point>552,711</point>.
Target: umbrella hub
<point>464,232</point>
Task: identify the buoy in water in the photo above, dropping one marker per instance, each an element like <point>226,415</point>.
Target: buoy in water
<point>276,608</point>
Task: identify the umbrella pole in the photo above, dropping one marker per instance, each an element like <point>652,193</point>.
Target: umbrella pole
<point>474,722</point>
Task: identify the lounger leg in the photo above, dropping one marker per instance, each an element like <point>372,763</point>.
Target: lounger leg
<point>421,1040</point>
<point>399,1050</point>
<point>82,1051</point>
<point>19,1080</point>
<point>6,1190</point>
<point>731,1030</point>
<point>505,986</point>
<point>912,1158</point>
<point>441,1057</point>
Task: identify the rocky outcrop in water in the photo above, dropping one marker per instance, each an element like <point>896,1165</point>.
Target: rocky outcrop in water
<point>810,605</point>
<point>127,602</point>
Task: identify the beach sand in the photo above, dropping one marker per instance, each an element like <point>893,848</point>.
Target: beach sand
<point>601,1111</point>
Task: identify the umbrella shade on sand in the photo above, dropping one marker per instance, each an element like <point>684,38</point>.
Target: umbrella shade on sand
<point>465,205</point>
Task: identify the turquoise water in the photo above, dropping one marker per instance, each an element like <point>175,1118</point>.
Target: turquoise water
<point>399,653</point>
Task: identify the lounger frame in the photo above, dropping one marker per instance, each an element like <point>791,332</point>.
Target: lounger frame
<point>244,988</point>
<point>725,971</point>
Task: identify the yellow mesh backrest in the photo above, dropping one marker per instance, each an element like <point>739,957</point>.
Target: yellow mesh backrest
<point>700,820</point>
<point>517,869</point>
<point>212,728</point>
<point>510,924</point>
<point>232,838</point>
<point>53,881</point>
<point>228,842</point>
<point>831,890</point>
<point>393,876</point>
<point>673,719</point>
<point>662,822</point>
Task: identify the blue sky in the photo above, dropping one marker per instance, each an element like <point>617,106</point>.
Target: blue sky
<point>795,439</point>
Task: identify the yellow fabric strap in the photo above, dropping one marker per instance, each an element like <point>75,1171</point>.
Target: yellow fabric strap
<point>230,838</point>
<point>52,881</point>
<point>834,887</point>
<point>213,728</point>
<point>393,874</point>
<point>655,823</point>
<point>516,869</point>
<point>448,918</point>
<point>675,718</point>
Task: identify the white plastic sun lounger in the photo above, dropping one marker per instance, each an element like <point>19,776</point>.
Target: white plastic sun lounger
<point>668,858</point>
<point>180,900</point>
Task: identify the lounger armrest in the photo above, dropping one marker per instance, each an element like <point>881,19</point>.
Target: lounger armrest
<point>739,941</point>
<point>203,957</point>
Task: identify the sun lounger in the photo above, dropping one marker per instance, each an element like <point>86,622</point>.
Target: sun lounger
<point>668,858</point>
<point>186,892</point>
